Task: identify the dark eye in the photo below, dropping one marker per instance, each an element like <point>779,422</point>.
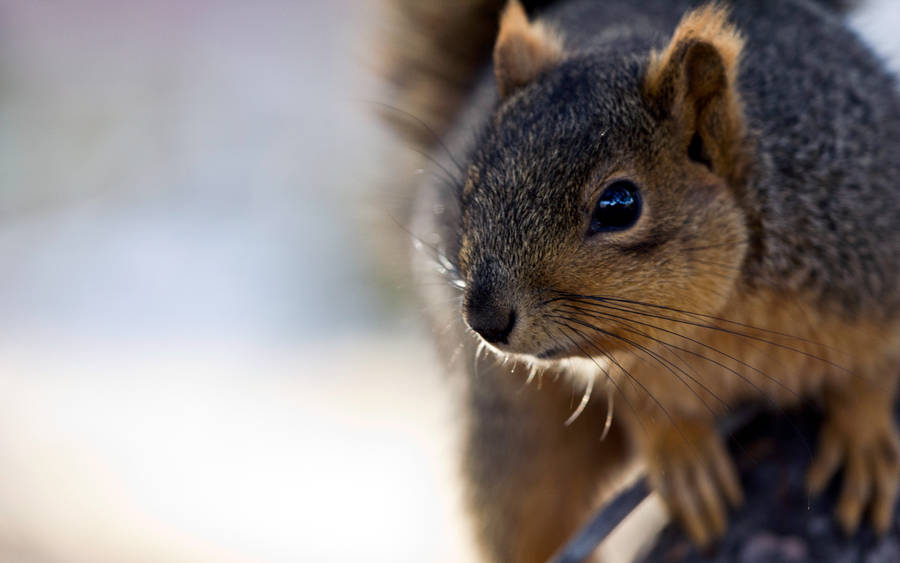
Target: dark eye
<point>617,209</point>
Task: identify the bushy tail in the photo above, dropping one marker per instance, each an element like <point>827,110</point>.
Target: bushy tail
<point>434,50</point>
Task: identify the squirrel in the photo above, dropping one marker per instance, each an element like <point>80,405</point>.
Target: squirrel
<point>642,215</point>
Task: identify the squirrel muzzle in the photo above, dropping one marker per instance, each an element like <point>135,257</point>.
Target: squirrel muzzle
<point>487,307</point>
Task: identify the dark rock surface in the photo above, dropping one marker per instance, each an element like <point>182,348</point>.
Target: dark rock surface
<point>779,522</point>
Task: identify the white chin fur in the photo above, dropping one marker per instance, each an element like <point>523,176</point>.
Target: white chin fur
<point>580,371</point>
<point>584,370</point>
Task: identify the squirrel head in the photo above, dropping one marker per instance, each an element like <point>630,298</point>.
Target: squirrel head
<point>603,181</point>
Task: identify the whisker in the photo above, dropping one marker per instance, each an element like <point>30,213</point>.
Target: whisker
<point>763,395</point>
<point>609,416</point>
<point>565,295</point>
<point>662,361</point>
<point>585,397</point>
<point>602,369</point>
<point>449,180</point>
<point>437,138</point>
<point>709,326</point>
<point>741,376</point>
<point>532,373</point>
<point>442,264</point>
<point>455,355</point>
<point>631,377</point>
<point>697,354</point>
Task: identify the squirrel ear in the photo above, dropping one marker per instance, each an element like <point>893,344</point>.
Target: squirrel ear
<point>523,49</point>
<point>693,82</point>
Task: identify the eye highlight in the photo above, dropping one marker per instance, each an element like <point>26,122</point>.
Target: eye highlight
<point>617,209</point>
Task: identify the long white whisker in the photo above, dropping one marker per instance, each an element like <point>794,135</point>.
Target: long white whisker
<point>585,398</point>
<point>609,416</point>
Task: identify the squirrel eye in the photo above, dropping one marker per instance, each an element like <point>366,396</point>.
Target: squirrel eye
<point>617,209</point>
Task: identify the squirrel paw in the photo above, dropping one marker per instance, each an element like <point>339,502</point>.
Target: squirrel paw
<point>690,468</point>
<point>869,446</point>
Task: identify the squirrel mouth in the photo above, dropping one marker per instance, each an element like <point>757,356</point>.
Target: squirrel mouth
<point>549,353</point>
<point>603,347</point>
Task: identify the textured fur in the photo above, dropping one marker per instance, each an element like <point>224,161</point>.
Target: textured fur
<point>783,213</point>
<point>432,53</point>
<point>523,50</point>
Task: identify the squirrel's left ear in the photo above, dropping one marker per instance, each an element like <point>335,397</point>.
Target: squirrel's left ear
<point>523,49</point>
<point>692,81</point>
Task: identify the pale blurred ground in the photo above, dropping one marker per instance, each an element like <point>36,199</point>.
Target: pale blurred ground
<point>199,358</point>
<point>194,365</point>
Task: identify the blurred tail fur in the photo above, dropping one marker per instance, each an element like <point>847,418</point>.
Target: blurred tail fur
<point>434,53</point>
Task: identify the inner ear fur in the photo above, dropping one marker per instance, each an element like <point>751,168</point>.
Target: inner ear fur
<point>692,81</point>
<point>523,49</point>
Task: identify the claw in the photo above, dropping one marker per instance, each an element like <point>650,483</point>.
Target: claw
<point>868,445</point>
<point>825,464</point>
<point>855,493</point>
<point>712,502</point>
<point>696,479</point>
<point>886,485</point>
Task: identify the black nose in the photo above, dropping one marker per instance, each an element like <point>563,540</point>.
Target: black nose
<point>494,325</point>
<point>490,318</point>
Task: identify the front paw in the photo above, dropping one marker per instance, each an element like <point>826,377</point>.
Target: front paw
<point>869,446</point>
<point>689,467</point>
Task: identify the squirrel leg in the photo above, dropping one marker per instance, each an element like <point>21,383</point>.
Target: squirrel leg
<point>690,468</point>
<point>859,430</point>
<point>532,481</point>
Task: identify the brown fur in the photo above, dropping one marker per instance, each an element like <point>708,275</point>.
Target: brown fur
<point>428,69</point>
<point>693,80</point>
<point>708,24</point>
<point>853,365</point>
<point>823,350</point>
<point>545,468</point>
<point>523,49</point>
<point>860,433</point>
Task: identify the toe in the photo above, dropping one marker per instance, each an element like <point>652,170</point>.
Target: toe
<point>687,508</point>
<point>825,463</point>
<point>711,499</point>
<point>855,492</point>
<point>725,474</point>
<point>885,486</point>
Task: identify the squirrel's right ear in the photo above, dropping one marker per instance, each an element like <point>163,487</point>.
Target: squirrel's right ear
<point>523,49</point>
<point>692,81</point>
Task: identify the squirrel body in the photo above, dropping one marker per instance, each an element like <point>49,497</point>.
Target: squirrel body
<point>685,207</point>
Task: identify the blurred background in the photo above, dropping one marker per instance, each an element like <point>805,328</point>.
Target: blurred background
<point>203,355</point>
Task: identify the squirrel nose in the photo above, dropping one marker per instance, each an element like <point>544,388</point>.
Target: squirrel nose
<point>489,317</point>
<point>494,324</point>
